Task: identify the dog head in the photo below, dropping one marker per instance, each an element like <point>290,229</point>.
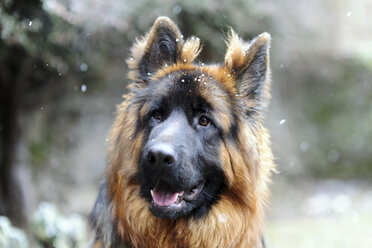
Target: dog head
<point>192,123</point>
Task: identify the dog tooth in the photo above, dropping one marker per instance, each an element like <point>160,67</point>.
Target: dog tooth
<point>152,193</point>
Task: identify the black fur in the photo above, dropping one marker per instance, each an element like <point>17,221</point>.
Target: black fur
<point>251,82</point>
<point>101,221</point>
<point>163,50</point>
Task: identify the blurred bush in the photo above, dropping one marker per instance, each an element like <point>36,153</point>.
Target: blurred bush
<point>48,228</point>
<point>52,229</point>
<point>10,236</point>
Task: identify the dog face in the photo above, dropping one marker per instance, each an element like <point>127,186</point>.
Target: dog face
<point>186,111</point>
<point>180,170</point>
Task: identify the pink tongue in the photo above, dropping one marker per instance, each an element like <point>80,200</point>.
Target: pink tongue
<point>164,199</point>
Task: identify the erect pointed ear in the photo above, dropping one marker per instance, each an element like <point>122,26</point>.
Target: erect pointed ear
<point>160,47</point>
<point>249,64</point>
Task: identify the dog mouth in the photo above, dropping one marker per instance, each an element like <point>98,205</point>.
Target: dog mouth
<point>166,198</point>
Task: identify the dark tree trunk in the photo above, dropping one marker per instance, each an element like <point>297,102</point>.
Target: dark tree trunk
<point>13,76</point>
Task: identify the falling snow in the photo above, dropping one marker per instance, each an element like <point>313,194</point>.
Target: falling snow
<point>333,155</point>
<point>223,218</point>
<point>83,67</point>
<point>83,88</point>
<point>177,9</point>
<point>304,146</point>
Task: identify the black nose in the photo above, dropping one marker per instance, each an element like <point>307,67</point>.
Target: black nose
<point>161,155</point>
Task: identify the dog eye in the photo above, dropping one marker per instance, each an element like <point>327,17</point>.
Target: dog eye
<point>203,121</point>
<point>156,115</point>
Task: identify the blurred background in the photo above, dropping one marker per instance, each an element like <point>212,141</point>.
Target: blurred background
<point>63,71</point>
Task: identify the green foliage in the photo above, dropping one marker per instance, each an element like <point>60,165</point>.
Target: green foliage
<point>39,149</point>
<point>339,108</point>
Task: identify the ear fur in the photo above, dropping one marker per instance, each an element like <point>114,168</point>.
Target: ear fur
<point>249,64</point>
<point>161,46</point>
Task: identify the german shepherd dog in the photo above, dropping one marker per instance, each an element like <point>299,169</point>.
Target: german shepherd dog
<point>189,160</point>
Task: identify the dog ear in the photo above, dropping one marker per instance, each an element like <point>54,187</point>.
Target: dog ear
<point>249,64</point>
<point>160,47</point>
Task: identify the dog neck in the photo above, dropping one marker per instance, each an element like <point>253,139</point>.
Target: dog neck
<point>226,225</point>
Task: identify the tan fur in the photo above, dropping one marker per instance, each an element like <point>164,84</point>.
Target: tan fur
<point>236,220</point>
<point>239,54</point>
<point>190,50</point>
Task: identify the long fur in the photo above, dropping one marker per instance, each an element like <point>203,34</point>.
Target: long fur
<point>236,220</point>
